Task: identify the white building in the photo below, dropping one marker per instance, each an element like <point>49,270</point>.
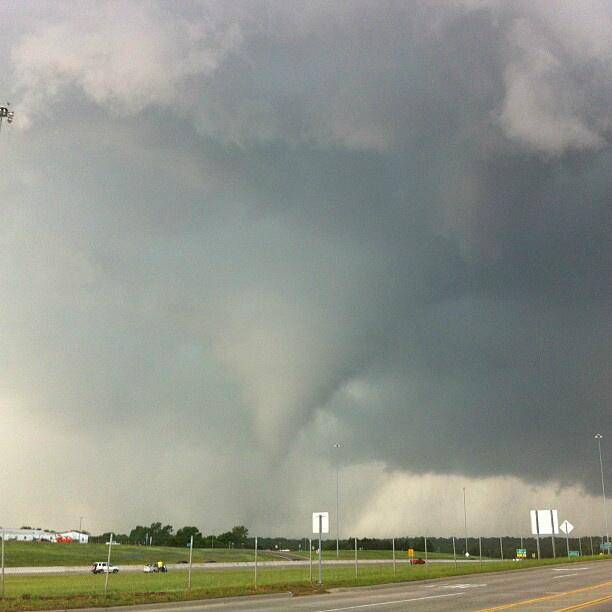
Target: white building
<point>38,535</point>
<point>27,535</point>
<point>76,536</point>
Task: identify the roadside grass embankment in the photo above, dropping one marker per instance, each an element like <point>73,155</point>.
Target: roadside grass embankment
<point>72,591</point>
<point>30,554</point>
<point>348,555</point>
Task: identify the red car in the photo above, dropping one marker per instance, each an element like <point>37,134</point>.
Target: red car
<point>418,561</point>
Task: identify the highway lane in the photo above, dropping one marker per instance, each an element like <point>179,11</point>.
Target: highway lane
<point>578,587</point>
<point>85,569</point>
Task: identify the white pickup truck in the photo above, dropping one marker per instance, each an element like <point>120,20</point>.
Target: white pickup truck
<point>102,567</point>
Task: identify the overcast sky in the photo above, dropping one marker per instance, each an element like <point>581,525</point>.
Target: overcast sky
<point>235,233</point>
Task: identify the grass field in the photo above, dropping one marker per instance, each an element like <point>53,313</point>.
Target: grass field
<point>31,554</point>
<point>372,554</point>
<point>53,592</point>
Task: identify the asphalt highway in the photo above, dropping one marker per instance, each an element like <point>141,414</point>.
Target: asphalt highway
<point>85,569</point>
<point>560,588</point>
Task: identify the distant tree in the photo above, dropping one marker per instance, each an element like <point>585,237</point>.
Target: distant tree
<point>239,535</point>
<point>183,536</point>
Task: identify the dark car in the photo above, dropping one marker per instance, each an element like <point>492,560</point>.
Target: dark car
<point>418,561</point>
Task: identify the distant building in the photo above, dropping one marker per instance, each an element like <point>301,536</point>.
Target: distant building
<point>28,535</point>
<point>39,535</point>
<point>76,536</point>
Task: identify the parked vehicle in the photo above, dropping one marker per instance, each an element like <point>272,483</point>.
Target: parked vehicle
<point>154,568</point>
<point>102,567</point>
<point>418,561</point>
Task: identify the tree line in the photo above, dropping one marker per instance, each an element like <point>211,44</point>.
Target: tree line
<point>157,534</point>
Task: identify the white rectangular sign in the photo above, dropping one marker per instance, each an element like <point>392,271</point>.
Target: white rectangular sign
<point>324,522</point>
<point>544,522</point>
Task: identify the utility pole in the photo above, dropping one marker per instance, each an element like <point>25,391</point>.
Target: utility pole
<point>599,438</point>
<point>465,523</point>
<point>337,446</point>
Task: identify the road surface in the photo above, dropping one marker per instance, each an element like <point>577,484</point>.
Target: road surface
<point>561,588</point>
<point>85,569</point>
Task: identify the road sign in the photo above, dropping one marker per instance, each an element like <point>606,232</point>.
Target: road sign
<point>573,553</point>
<point>324,522</point>
<point>544,522</point>
<point>521,553</point>
<point>566,527</point>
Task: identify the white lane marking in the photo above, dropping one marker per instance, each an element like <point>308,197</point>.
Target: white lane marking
<point>388,603</point>
<point>463,586</point>
<point>570,569</point>
<point>564,576</point>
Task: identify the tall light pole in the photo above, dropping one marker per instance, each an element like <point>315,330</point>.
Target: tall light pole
<point>465,522</point>
<point>338,446</point>
<point>7,114</point>
<point>599,438</point>
<point>81,523</point>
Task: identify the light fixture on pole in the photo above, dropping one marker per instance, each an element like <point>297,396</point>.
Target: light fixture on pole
<point>7,114</point>
<point>599,438</point>
<point>337,446</point>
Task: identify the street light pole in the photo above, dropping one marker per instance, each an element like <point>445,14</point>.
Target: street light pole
<point>599,437</point>
<point>465,522</point>
<point>337,445</point>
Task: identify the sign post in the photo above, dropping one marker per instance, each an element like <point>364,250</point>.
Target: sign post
<point>567,528</point>
<point>320,525</point>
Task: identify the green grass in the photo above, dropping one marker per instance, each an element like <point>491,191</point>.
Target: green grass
<point>53,592</point>
<point>372,554</point>
<point>30,554</point>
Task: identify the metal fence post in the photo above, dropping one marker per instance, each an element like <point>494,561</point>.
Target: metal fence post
<point>310,556</point>
<point>591,539</point>
<point>454,553</point>
<point>110,546</point>
<point>501,548</point>
<point>255,561</point>
<point>320,550</point>
<point>3,534</point>
<point>426,560</point>
<point>480,549</point>
<point>190,560</point>
<point>393,544</point>
<point>580,545</point>
<point>356,558</point>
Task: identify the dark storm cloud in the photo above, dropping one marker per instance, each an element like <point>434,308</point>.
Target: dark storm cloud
<point>394,216</point>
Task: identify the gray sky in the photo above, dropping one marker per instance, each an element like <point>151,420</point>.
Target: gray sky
<point>233,233</point>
